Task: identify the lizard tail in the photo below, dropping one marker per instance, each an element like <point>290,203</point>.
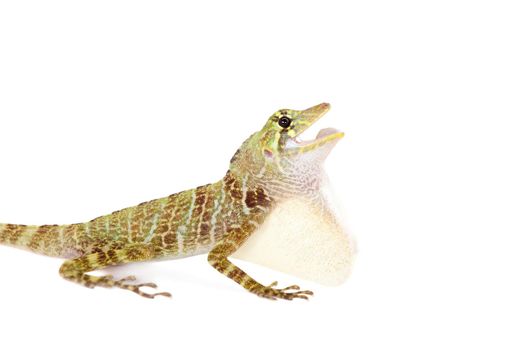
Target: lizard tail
<point>49,240</point>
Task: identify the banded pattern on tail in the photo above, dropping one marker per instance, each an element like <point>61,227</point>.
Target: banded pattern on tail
<point>47,239</point>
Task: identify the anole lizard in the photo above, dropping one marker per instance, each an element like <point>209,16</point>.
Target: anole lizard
<point>271,166</point>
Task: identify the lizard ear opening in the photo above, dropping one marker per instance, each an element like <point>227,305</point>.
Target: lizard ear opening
<point>268,153</point>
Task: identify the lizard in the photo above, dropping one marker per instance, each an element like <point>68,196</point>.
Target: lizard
<point>271,166</point>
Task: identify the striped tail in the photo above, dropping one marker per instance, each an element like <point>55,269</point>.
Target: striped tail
<point>47,239</point>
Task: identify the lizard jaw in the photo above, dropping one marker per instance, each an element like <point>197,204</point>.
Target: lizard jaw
<point>304,121</point>
<point>323,136</point>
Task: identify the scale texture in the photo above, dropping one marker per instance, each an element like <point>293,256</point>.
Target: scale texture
<point>269,208</point>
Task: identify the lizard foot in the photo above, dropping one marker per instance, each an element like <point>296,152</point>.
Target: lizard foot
<point>108,281</point>
<point>135,288</point>
<point>288,293</point>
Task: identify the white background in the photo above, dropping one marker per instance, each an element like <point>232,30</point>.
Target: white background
<point>105,104</point>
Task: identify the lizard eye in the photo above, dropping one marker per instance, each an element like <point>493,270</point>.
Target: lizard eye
<point>284,122</point>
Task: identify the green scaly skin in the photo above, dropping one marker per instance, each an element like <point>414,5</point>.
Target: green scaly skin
<point>271,166</point>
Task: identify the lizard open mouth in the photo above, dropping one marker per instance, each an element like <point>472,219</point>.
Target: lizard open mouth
<point>323,136</point>
<point>306,119</point>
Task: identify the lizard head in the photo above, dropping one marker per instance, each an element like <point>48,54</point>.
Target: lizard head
<point>280,137</point>
<point>277,148</point>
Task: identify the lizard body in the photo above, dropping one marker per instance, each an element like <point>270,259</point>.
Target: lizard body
<point>271,167</point>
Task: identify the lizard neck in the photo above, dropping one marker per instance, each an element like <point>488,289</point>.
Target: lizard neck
<point>305,182</point>
<point>281,177</point>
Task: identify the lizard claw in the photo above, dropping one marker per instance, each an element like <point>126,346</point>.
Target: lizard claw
<point>294,287</point>
<point>164,294</point>
<point>136,288</point>
<point>273,293</point>
<point>108,281</point>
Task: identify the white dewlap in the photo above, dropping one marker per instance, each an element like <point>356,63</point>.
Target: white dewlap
<point>301,240</point>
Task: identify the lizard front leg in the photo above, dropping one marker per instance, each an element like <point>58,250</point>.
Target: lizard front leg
<point>76,270</point>
<point>218,258</point>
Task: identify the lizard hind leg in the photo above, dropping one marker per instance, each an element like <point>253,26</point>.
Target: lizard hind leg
<point>76,270</point>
